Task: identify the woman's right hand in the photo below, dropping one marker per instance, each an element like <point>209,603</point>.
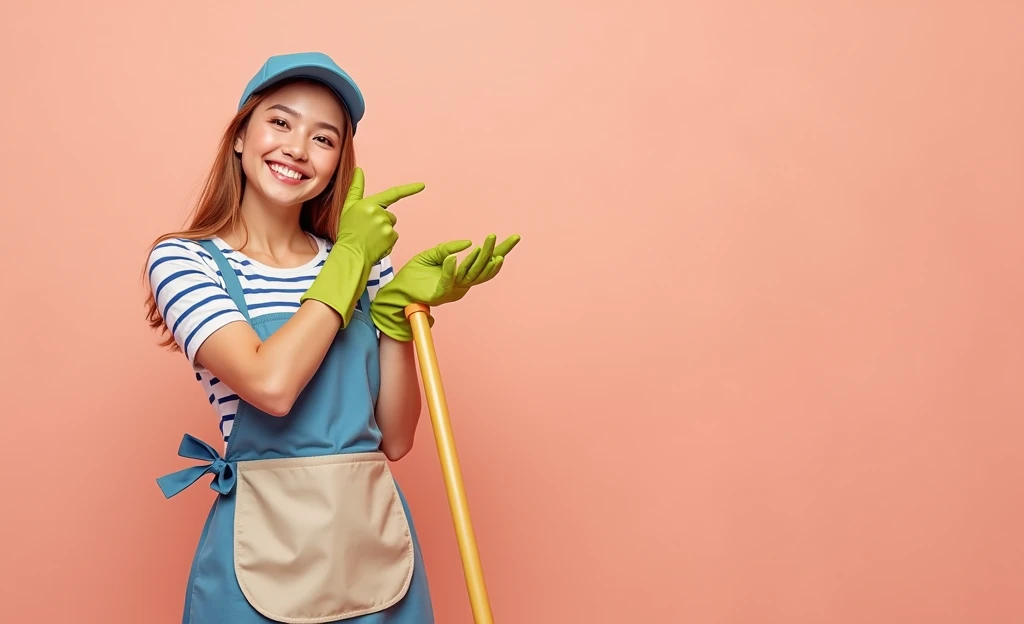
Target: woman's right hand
<point>366,225</point>
<point>366,234</point>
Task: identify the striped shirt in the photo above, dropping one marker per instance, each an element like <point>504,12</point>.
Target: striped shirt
<point>194,302</point>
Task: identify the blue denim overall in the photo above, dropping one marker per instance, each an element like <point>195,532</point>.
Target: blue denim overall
<point>309,526</point>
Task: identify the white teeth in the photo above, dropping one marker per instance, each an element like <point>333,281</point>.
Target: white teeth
<point>285,171</point>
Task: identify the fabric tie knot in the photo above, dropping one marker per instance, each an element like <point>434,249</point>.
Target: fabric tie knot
<point>194,448</point>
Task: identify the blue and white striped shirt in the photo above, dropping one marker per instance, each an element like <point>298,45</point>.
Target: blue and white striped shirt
<point>194,302</point>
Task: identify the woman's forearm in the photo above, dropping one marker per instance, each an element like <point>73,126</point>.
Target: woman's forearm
<point>398,406</point>
<point>270,374</point>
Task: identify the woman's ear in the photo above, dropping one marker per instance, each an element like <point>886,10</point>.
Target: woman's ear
<point>239,141</point>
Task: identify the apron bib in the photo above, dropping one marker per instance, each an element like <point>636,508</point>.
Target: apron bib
<point>310,526</point>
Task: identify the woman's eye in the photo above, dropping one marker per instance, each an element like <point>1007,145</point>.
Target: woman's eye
<point>279,122</point>
<point>324,140</point>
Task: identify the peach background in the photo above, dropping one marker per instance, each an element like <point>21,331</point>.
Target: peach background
<point>758,359</point>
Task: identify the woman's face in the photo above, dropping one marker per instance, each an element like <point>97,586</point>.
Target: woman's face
<point>292,144</point>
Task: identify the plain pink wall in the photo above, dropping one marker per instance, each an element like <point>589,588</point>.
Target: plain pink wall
<point>758,359</point>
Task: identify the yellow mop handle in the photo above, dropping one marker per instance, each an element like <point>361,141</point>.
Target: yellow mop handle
<point>445,439</point>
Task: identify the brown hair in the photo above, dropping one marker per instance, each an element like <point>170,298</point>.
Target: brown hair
<point>219,202</point>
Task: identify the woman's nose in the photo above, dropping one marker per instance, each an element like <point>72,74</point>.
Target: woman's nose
<point>294,151</point>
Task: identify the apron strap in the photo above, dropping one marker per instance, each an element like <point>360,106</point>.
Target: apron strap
<point>194,448</point>
<point>230,279</point>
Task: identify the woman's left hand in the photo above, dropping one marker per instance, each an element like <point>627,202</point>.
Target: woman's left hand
<point>434,277</point>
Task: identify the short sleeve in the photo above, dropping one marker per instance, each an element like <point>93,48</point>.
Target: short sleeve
<point>381,273</point>
<point>188,294</point>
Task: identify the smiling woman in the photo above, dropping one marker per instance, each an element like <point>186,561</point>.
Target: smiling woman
<point>282,296</point>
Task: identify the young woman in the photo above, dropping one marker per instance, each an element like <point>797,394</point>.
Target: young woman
<point>282,296</point>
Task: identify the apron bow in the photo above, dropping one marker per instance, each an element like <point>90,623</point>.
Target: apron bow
<point>194,448</point>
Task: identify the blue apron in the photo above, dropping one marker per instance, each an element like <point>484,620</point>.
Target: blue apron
<point>309,526</point>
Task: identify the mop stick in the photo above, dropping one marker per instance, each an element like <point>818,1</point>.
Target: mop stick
<point>445,439</point>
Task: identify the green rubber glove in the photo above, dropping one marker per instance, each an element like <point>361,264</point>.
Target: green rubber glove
<point>434,277</point>
<point>366,234</point>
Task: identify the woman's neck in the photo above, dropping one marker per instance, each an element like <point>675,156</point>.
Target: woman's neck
<point>271,234</point>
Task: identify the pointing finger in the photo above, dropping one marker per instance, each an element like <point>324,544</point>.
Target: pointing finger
<point>395,193</point>
<point>355,190</point>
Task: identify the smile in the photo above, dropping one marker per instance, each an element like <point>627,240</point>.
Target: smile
<point>286,174</point>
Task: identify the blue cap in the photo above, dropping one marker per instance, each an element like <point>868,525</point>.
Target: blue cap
<point>313,65</point>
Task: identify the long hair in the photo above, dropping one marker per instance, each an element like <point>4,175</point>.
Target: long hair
<point>219,203</point>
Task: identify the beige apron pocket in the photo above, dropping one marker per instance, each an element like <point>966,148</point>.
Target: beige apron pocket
<point>319,539</point>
